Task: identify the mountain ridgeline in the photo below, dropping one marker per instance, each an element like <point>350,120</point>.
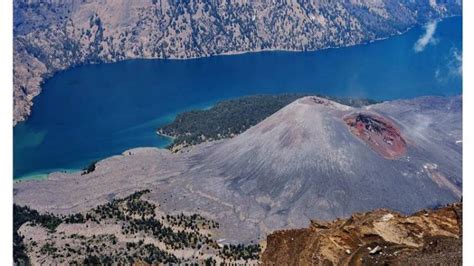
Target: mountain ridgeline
<point>51,36</point>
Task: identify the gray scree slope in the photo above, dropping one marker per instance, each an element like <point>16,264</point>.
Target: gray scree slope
<point>299,164</point>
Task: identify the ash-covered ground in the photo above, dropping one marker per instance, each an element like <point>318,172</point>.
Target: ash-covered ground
<point>302,163</point>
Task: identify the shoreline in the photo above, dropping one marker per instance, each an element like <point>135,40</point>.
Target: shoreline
<point>32,177</point>
<point>49,74</point>
<point>169,117</point>
<point>43,175</point>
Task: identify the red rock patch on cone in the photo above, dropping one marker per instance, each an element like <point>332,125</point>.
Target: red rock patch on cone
<point>379,133</point>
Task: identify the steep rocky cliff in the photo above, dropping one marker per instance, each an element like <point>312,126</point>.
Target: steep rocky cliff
<point>50,36</point>
<point>381,237</point>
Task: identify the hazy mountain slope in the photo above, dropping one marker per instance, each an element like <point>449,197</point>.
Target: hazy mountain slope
<point>54,35</point>
<point>303,162</point>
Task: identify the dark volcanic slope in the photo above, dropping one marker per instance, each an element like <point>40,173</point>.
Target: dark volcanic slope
<point>305,162</point>
<point>301,163</point>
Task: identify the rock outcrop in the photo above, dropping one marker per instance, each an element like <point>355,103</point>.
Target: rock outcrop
<point>380,237</point>
<point>50,36</point>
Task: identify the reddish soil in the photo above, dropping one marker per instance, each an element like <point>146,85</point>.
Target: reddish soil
<point>379,133</point>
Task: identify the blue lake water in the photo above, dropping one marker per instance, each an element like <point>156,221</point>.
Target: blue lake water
<point>95,111</point>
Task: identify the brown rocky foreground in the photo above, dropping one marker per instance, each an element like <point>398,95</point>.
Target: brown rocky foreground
<point>381,237</point>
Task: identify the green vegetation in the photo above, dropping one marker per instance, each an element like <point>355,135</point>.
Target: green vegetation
<point>193,222</point>
<point>76,218</point>
<point>232,117</point>
<point>135,252</point>
<point>137,218</point>
<point>92,260</point>
<point>153,255</point>
<point>21,215</point>
<point>48,249</point>
<point>123,209</point>
<point>240,252</point>
<point>89,169</point>
<point>138,215</point>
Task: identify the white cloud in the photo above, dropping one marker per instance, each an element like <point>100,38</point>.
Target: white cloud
<point>452,68</point>
<point>438,75</point>
<point>455,64</point>
<point>427,37</point>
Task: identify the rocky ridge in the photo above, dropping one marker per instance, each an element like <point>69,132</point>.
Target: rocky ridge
<point>50,36</point>
<point>380,237</point>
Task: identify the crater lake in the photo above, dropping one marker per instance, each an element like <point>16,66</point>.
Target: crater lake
<point>92,112</point>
